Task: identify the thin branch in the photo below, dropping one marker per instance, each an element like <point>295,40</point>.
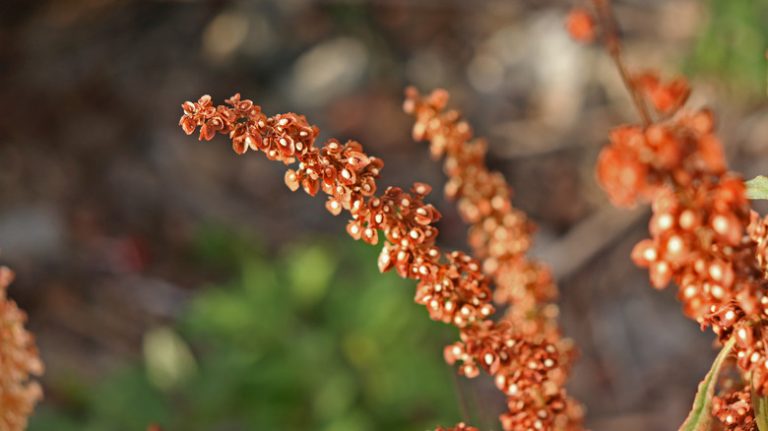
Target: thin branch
<point>613,46</point>
<point>589,238</point>
<point>461,399</point>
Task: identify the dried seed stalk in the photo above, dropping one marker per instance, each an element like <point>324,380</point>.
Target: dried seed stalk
<point>704,237</point>
<point>451,285</point>
<point>500,236</point>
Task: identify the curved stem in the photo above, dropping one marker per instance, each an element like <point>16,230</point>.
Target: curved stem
<point>613,46</point>
<point>461,399</point>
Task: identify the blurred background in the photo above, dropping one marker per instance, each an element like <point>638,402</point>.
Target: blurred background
<point>171,281</point>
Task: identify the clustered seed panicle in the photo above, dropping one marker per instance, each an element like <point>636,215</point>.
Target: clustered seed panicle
<point>19,361</point>
<point>452,286</point>
<point>500,236</point>
<point>704,237</point>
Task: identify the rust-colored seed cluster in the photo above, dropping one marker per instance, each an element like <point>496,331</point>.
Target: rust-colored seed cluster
<point>19,361</point>
<point>734,410</point>
<point>500,236</point>
<point>529,368</point>
<point>703,236</point>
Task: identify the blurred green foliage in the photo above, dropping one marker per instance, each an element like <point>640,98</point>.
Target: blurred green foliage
<point>314,339</point>
<point>732,46</point>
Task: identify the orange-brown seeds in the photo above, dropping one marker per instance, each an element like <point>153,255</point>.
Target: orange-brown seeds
<point>529,354</point>
<point>19,362</point>
<point>451,286</point>
<point>703,236</point>
<point>580,25</point>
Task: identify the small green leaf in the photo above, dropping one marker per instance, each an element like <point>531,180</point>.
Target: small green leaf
<point>700,417</point>
<point>168,359</point>
<point>760,404</point>
<point>757,188</point>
